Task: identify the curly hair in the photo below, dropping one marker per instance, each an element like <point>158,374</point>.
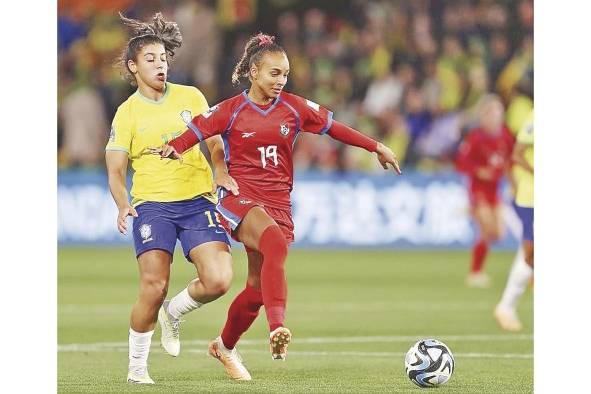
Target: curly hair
<point>254,50</point>
<point>158,31</point>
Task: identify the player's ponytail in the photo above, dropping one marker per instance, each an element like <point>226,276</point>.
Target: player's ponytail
<point>253,52</point>
<point>143,33</point>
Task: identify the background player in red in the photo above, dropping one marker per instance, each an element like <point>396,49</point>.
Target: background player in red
<point>259,128</point>
<point>485,156</point>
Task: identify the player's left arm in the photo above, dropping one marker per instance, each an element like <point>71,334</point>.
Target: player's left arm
<point>319,120</point>
<point>220,169</point>
<point>350,136</point>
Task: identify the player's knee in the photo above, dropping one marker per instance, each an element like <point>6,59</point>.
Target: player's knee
<point>490,234</point>
<point>280,245</point>
<point>254,281</point>
<point>217,285</point>
<point>494,236</point>
<point>155,289</point>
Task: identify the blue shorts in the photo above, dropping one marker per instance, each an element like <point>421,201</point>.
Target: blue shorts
<point>526,215</point>
<point>159,224</point>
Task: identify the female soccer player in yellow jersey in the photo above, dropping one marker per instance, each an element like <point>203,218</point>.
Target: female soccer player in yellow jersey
<point>170,200</point>
<point>522,270</point>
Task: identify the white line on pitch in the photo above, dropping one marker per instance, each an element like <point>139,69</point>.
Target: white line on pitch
<point>79,347</point>
<point>384,354</point>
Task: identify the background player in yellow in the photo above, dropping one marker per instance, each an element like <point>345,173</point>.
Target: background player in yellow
<point>170,200</point>
<point>522,271</point>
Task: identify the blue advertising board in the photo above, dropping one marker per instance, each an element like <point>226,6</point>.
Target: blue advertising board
<point>330,210</point>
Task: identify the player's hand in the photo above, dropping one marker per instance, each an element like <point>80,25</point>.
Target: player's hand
<point>121,218</point>
<point>386,156</point>
<point>226,181</point>
<point>166,151</point>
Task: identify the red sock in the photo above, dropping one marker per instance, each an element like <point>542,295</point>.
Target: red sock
<point>243,311</point>
<point>478,255</point>
<point>273,247</point>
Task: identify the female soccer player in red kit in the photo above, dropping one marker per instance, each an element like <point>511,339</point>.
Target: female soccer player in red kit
<point>485,156</point>
<point>259,128</point>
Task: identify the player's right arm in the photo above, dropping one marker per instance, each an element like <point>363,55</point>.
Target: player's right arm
<point>117,172</point>
<point>116,158</point>
<point>525,139</point>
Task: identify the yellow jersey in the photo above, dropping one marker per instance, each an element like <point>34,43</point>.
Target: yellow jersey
<point>141,123</point>
<point>525,179</point>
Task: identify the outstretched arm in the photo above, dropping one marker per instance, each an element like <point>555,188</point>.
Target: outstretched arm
<point>350,136</point>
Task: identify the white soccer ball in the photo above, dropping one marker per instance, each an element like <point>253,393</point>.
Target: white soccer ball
<point>429,363</point>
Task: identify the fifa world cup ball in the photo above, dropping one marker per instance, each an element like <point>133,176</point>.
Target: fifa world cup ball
<point>429,363</point>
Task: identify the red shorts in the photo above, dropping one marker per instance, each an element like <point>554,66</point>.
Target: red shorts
<point>479,196</point>
<point>233,209</point>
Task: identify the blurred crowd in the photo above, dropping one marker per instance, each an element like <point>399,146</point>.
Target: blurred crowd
<point>407,72</point>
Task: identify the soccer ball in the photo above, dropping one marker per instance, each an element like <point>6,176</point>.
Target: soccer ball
<point>429,363</point>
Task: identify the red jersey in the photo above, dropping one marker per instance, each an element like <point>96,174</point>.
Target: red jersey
<point>259,141</point>
<point>484,150</point>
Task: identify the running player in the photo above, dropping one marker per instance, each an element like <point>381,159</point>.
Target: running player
<point>485,156</point>
<point>169,200</point>
<point>259,128</point>
<point>523,157</point>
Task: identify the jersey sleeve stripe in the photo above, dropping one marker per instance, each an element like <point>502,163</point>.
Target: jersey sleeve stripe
<point>116,148</point>
<point>297,115</point>
<point>328,124</point>
<point>195,130</point>
<point>234,115</point>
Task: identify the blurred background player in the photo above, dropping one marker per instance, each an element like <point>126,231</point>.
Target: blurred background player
<point>170,200</point>
<point>485,156</point>
<point>522,270</point>
<point>259,128</point>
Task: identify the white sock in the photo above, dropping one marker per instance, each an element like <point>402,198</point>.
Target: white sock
<point>518,279</point>
<point>139,349</point>
<point>183,303</point>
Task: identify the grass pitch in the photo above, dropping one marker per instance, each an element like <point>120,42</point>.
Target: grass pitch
<point>353,315</point>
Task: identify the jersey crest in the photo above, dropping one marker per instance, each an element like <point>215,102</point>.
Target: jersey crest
<point>284,129</point>
<point>186,116</point>
<point>146,232</point>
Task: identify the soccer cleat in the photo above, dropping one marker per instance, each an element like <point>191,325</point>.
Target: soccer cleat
<point>170,331</point>
<point>279,340</point>
<point>139,375</point>
<point>230,359</point>
<point>478,279</point>
<point>507,319</point>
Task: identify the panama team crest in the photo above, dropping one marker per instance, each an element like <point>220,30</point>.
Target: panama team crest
<point>284,129</point>
<point>186,115</point>
<point>146,232</point>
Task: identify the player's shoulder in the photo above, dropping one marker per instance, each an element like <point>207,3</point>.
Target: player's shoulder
<point>184,90</point>
<point>292,98</point>
<point>124,109</point>
<point>231,104</point>
<point>298,102</point>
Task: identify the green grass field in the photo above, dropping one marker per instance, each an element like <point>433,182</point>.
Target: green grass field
<point>353,315</point>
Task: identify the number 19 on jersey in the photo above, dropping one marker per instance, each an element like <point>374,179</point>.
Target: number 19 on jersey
<point>269,152</point>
